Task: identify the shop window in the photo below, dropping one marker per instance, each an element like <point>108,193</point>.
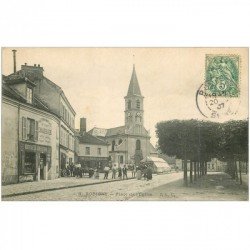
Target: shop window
<point>29,95</point>
<point>99,151</point>
<point>30,163</point>
<point>87,150</point>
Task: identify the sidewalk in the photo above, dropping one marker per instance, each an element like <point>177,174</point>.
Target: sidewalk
<point>56,184</point>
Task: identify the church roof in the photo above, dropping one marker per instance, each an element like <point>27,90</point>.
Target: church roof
<point>134,88</point>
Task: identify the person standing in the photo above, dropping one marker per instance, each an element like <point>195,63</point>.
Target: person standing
<point>119,172</point>
<point>133,168</point>
<point>124,171</point>
<point>106,172</point>
<point>138,173</point>
<point>149,173</point>
<point>114,171</point>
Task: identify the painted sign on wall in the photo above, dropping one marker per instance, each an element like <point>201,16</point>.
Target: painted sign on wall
<point>44,131</point>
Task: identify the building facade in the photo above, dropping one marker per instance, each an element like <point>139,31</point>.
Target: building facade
<point>30,133</point>
<point>54,98</point>
<point>130,143</point>
<point>91,151</point>
<point>37,127</point>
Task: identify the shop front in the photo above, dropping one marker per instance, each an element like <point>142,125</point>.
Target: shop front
<point>35,161</point>
<point>93,162</point>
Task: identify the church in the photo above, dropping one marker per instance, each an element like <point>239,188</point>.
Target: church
<point>129,144</point>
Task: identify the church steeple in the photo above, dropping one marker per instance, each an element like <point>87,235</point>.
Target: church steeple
<point>134,113</point>
<point>134,88</point>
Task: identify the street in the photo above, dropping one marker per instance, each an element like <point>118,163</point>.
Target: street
<point>214,186</point>
<point>119,190</point>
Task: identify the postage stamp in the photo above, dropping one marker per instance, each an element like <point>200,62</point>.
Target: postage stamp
<point>222,75</point>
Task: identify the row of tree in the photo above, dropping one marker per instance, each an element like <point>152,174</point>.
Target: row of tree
<point>200,141</point>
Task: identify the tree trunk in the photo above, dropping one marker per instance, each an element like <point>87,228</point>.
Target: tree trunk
<point>185,172</point>
<point>202,168</point>
<point>205,167</point>
<point>240,172</point>
<point>236,170</point>
<point>191,171</point>
<point>246,168</point>
<point>195,171</point>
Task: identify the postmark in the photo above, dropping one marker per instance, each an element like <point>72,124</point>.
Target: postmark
<point>216,107</point>
<point>222,75</point>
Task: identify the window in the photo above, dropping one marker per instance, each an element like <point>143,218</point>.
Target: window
<point>29,95</point>
<point>87,150</point>
<point>138,145</point>
<point>99,151</point>
<point>120,141</point>
<point>121,159</point>
<point>113,145</point>
<point>31,129</point>
<point>138,104</point>
<point>129,104</point>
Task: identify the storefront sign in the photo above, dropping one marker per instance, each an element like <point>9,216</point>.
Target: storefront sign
<point>44,131</point>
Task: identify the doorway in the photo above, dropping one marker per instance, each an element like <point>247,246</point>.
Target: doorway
<point>42,166</point>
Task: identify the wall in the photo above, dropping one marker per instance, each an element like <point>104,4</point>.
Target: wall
<point>46,122</point>
<point>9,142</point>
<point>48,94</point>
<point>93,150</point>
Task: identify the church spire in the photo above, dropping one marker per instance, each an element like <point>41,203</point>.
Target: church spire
<point>134,88</point>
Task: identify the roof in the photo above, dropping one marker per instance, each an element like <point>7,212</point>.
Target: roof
<point>152,149</point>
<point>134,88</point>
<point>116,131</point>
<point>86,138</point>
<point>7,90</point>
<point>99,132</point>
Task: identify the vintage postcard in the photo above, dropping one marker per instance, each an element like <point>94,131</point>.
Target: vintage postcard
<point>124,124</point>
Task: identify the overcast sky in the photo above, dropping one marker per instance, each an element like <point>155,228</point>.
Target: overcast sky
<point>95,80</point>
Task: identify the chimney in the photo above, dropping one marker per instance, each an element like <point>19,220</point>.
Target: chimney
<point>14,59</point>
<point>83,126</point>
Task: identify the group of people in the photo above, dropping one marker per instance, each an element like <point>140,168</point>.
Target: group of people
<point>77,170</point>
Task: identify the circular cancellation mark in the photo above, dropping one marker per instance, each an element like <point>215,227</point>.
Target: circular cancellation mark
<point>216,107</point>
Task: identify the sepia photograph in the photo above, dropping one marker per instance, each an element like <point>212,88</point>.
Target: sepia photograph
<point>124,124</point>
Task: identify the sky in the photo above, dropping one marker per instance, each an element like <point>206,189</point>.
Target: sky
<point>95,80</point>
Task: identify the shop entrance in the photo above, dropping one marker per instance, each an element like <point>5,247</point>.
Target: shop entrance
<point>30,163</point>
<point>42,166</point>
<point>63,161</point>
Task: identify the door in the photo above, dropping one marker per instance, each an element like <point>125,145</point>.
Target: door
<point>42,166</point>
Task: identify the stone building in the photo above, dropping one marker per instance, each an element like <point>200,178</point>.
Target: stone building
<point>30,134</point>
<point>54,98</point>
<point>91,151</point>
<point>130,143</point>
<point>37,126</point>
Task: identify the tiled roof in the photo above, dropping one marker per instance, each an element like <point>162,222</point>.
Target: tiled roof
<point>116,131</point>
<point>90,139</point>
<point>7,90</point>
<point>134,88</point>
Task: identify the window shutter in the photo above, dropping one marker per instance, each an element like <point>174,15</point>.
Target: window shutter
<point>36,131</point>
<point>24,128</point>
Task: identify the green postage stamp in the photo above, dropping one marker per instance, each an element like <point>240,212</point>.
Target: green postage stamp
<point>222,75</point>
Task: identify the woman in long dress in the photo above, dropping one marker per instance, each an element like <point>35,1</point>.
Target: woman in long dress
<point>138,174</point>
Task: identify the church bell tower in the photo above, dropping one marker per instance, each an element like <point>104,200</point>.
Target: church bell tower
<point>134,112</point>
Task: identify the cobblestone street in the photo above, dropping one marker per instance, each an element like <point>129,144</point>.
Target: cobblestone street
<point>214,186</point>
<point>119,190</point>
